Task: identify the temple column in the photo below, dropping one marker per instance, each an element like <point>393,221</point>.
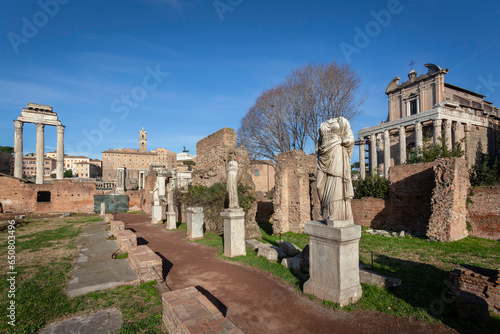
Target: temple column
<point>40,151</point>
<point>362,167</point>
<point>402,145</point>
<point>467,129</point>
<point>60,153</point>
<point>373,154</point>
<point>418,135</point>
<point>161,184</point>
<point>447,134</point>
<point>437,130</point>
<point>18,149</point>
<point>387,153</point>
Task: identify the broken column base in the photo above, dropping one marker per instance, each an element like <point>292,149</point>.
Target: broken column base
<point>156,214</point>
<point>234,232</point>
<point>195,222</point>
<point>171,221</point>
<point>334,262</point>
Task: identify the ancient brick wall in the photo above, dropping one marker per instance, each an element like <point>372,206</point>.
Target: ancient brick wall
<point>295,198</point>
<point>371,212</point>
<point>448,205</point>
<point>410,191</point>
<point>484,212</point>
<point>213,154</point>
<point>484,283</point>
<point>135,199</point>
<point>65,196</point>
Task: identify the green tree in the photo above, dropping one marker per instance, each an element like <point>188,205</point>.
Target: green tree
<point>189,163</point>
<point>6,149</point>
<point>68,173</point>
<point>484,172</point>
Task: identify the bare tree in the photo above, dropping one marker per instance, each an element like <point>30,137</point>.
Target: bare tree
<point>287,117</point>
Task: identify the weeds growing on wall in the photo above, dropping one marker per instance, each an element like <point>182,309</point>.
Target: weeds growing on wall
<point>214,199</point>
<point>372,186</point>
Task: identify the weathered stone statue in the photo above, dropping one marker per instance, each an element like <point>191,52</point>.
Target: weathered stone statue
<point>156,194</point>
<point>333,152</point>
<point>232,184</point>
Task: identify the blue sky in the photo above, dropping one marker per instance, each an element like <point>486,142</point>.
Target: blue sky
<point>184,69</point>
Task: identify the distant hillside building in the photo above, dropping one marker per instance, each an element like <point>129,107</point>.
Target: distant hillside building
<point>135,161</point>
<point>426,105</point>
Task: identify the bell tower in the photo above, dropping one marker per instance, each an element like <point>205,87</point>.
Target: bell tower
<point>142,141</point>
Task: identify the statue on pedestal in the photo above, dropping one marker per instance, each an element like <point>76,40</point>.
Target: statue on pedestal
<point>156,194</point>
<point>333,152</point>
<point>232,184</point>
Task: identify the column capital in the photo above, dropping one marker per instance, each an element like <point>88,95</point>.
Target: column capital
<point>402,129</point>
<point>455,125</point>
<point>437,122</point>
<point>418,126</point>
<point>467,127</point>
<point>18,124</point>
<point>386,134</point>
<point>40,126</point>
<point>60,128</point>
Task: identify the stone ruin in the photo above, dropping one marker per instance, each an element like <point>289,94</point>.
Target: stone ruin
<point>213,154</point>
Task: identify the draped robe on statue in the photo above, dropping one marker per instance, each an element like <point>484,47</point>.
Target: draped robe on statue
<point>333,151</point>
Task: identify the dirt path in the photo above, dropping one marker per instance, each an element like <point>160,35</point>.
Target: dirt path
<point>256,301</point>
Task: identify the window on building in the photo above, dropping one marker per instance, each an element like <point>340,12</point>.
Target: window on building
<point>413,107</point>
<point>256,172</point>
<point>43,196</point>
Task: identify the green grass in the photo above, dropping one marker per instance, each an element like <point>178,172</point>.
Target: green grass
<point>39,286</point>
<point>121,256</point>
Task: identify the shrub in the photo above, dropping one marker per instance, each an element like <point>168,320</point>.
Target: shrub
<point>429,151</point>
<point>214,199</point>
<point>483,172</point>
<point>372,186</point>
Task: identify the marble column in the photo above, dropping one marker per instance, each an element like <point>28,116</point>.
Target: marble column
<point>402,145</point>
<point>40,152</point>
<point>161,184</point>
<point>373,154</point>
<point>60,153</point>
<point>418,135</point>
<point>447,134</point>
<point>467,129</point>
<point>18,149</point>
<point>437,130</point>
<point>362,167</point>
<point>387,153</point>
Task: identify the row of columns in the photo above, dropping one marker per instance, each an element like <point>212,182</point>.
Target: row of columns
<point>40,151</point>
<point>449,128</point>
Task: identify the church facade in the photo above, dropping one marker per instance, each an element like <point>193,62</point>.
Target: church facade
<point>427,106</point>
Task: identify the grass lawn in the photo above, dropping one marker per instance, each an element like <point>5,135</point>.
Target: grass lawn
<point>46,250</point>
<point>422,265</point>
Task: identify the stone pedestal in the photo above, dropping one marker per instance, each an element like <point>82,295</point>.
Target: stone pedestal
<point>195,222</point>
<point>156,214</point>
<point>103,209</point>
<point>234,232</point>
<point>171,221</point>
<point>334,261</point>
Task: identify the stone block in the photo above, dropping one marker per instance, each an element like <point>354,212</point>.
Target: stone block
<point>382,281</point>
<point>108,217</point>
<point>254,244</point>
<point>126,239</point>
<point>145,263</point>
<point>188,311</point>
<point>334,262</point>
<point>289,248</point>
<point>195,222</point>
<point>103,209</point>
<point>171,221</point>
<point>234,232</point>
<point>156,214</point>
<point>116,226</point>
<point>293,263</point>
<point>272,253</point>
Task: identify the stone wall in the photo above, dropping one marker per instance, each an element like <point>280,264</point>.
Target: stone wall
<point>295,198</point>
<point>18,196</point>
<point>135,199</point>
<point>448,221</point>
<point>410,191</point>
<point>484,283</point>
<point>213,154</point>
<point>484,212</point>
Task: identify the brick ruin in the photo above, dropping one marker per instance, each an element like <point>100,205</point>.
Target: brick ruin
<point>484,212</point>
<point>213,154</point>
<point>429,198</point>
<point>481,282</point>
<point>295,197</point>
